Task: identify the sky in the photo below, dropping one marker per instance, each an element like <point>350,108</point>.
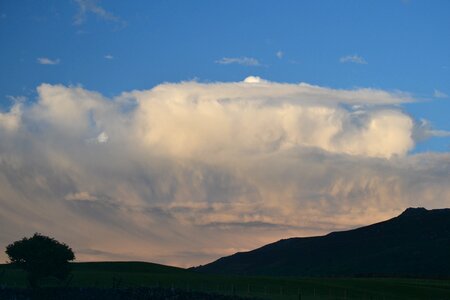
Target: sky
<point>178,132</point>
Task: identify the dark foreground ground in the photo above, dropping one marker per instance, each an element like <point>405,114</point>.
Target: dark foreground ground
<point>136,280</point>
<point>144,293</point>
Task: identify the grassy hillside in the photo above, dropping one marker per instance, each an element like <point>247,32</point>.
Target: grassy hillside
<point>133,274</point>
<point>414,244</point>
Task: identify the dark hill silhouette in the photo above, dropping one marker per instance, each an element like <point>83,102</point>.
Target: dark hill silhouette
<point>414,244</point>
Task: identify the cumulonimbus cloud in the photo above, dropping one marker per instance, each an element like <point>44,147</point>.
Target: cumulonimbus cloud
<point>186,172</point>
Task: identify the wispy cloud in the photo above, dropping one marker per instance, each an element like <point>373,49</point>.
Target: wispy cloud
<point>440,133</point>
<point>91,6</point>
<point>17,99</point>
<point>353,59</point>
<point>245,61</point>
<point>48,61</point>
<point>424,130</point>
<point>279,54</point>
<point>80,196</point>
<point>439,94</point>
<point>109,56</point>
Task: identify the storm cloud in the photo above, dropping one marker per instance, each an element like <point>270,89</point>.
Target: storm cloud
<point>184,173</point>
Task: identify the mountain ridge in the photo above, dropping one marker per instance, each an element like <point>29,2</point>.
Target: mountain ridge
<point>414,244</point>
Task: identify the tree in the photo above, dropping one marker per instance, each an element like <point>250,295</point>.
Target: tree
<point>41,256</point>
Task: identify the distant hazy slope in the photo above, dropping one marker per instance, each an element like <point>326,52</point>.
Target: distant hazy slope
<point>416,243</point>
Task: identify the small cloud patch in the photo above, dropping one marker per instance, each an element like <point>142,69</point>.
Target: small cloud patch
<point>90,6</point>
<point>356,59</point>
<point>244,61</point>
<point>102,138</point>
<point>48,61</point>
<point>255,79</point>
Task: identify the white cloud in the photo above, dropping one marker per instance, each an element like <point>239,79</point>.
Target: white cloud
<point>299,115</point>
<point>353,59</point>
<point>91,6</point>
<point>279,54</point>
<point>48,61</point>
<point>187,172</point>
<point>109,56</point>
<point>245,61</point>
<point>439,94</point>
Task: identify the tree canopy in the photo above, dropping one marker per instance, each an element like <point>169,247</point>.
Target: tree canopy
<point>41,256</point>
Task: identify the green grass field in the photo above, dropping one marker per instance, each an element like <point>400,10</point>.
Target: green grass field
<point>132,274</point>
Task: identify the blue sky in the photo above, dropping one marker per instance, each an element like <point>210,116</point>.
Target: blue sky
<point>392,45</point>
<point>182,131</point>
